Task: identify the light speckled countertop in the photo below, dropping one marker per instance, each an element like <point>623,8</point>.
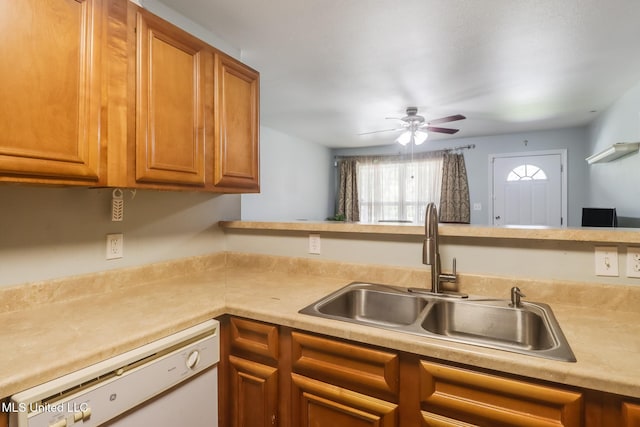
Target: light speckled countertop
<point>52,330</point>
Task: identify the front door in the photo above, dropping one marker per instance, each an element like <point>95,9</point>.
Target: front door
<point>529,189</point>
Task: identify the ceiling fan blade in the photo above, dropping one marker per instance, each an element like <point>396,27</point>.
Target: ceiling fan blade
<point>447,119</point>
<point>441,130</point>
<point>380,131</point>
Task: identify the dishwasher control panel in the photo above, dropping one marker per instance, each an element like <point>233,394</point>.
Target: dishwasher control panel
<point>136,377</point>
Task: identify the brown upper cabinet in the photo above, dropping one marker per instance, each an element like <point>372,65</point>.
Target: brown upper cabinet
<point>237,140</point>
<point>121,98</point>
<point>172,73</point>
<point>51,77</point>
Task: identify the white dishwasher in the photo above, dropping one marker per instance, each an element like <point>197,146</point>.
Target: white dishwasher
<point>169,382</point>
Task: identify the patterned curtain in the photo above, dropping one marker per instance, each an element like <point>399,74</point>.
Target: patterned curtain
<point>454,198</point>
<point>348,191</point>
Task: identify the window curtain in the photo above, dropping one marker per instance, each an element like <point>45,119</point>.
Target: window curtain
<point>454,199</point>
<point>393,189</point>
<point>348,204</point>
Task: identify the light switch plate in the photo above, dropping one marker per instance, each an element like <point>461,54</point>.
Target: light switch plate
<point>633,262</point>
<point>606,259</point>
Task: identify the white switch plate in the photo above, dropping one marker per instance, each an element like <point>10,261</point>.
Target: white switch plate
<point>633,262</point>
<point>314,244</point>
<point>606,259</point>
<point>115,246</point>
<point>477,206</point>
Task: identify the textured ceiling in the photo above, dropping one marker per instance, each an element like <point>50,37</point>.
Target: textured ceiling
<point>331,69</point>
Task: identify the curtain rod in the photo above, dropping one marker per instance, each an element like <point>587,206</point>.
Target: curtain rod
<point>400,155</point>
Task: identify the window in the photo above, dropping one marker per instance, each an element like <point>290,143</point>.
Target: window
<point>398,190</point>
<point>526,173</point>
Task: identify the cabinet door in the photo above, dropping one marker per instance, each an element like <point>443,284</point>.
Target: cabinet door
<point>237,135</point>
<point>254,393</point>
<point>50,90</point>
<point>320,404</point>
<point>173,72</point>
<point>630,415</point>
<point>449,395</point>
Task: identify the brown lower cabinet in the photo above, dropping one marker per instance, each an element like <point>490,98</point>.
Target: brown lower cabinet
<point>276,376</point>
<point>272,375</point>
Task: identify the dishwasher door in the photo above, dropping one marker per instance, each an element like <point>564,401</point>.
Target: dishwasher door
<point>190,403</point>
<point>169,382</point>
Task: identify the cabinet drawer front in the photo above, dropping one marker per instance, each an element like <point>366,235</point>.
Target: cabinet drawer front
<point>321,404</point>
<point>366,370</point>
<point>487,400</point>
<point>254,337</point>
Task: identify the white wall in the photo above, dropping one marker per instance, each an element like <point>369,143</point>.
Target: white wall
<point>615,184</point>
<point>47,233</point>
<point>574,140</point>
<point>168,14</point>
<point>294,180</point>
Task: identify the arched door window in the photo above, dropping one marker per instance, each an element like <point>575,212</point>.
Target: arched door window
<point>526,172</point>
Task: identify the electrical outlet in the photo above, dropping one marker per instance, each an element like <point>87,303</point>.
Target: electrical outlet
<point>314,244</point>
<point>633,262</point>
<point>115,246</point>
<point>606,258</point>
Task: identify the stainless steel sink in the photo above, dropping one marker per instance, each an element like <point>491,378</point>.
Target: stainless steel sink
<point>529,329</point>
<point>377,306</point>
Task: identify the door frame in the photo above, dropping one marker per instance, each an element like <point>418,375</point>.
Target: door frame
<point>563,178</point>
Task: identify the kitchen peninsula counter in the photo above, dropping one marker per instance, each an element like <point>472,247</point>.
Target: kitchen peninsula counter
<point>58,327</point>
<point>572,234</point>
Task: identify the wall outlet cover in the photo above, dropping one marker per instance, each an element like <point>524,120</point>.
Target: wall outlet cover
<point>115,246</point>
<point>633,262</point>
<point>314,244</point>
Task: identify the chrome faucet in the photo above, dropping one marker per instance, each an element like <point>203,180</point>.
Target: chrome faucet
<point>430,250</point>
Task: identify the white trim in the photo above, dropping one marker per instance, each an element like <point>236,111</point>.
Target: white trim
<point>564,199</point>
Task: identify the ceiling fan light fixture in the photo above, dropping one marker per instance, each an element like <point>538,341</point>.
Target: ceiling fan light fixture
<point>404,138</point>
<point>420,137</point>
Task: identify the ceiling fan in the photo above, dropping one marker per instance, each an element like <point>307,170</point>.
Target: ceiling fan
<point>415,128</point>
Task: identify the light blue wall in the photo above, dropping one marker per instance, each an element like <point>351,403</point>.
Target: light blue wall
<point>574,140</point>
<point>294,180</point>
<point>616,184</point>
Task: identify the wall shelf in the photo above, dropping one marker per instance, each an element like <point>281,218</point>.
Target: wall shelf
<point>613,152</point>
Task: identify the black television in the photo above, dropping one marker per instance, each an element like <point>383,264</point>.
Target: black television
<point>599,217</point>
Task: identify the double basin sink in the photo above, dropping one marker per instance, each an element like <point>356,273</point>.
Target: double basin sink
<point>530,328</point>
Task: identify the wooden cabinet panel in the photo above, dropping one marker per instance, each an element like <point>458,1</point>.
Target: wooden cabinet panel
<point>254,393</point>
<point>174,84</point>
<point>488,400</point>
<point>51,77</point>
<point>630,415</point>
<point>238,127</point>
<point>366,370</point>
<point>321,404</point>
<point>254,337</point>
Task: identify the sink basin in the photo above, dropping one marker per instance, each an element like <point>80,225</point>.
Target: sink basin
<point>524,328</point>
<point>530,329</point>
<point>378,306</point>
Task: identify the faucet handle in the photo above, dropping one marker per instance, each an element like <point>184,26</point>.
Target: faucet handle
<point>451,277</point>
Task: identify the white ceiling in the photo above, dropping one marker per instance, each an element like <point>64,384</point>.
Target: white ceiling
<point>331,69</point>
